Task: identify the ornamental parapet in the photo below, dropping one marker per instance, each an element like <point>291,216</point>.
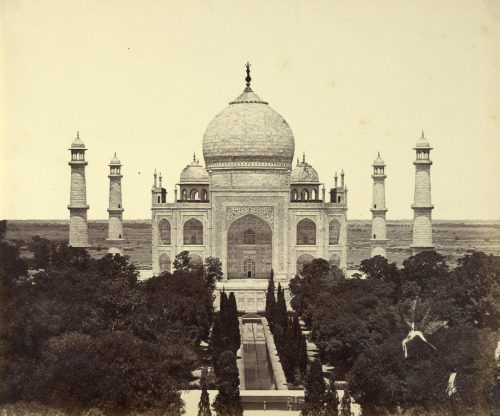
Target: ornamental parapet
<point>193,201</point>
<point>179,204</point>
<point>336,205</point>
<point>302,201</point>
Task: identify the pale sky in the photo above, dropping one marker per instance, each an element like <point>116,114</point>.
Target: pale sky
<point>144,78</point>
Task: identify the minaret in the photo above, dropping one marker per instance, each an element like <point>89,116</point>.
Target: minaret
<point>422,207</point>
<point>115,230</point>
<point>378,209</point>
<point>78,229</point>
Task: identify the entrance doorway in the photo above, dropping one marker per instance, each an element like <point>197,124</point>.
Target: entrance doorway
<point>249,248</point>
<point>249,269</point>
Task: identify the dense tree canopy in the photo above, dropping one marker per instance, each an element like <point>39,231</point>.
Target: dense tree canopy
<point>315,279</point>
<point>360,324</point>
<point>86,334</point>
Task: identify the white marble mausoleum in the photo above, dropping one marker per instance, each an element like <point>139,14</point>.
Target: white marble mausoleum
<point>250,205</point>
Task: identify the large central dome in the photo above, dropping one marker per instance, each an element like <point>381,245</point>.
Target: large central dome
<point>248,133</point>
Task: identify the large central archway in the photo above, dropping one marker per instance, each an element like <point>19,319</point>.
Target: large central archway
<point>249,248</point>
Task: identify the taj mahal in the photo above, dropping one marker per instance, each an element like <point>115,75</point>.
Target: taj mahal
<point>251,205</point>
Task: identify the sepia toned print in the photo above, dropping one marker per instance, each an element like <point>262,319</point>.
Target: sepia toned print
<point>227,208</point>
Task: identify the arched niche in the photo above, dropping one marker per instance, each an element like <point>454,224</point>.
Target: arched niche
<point>334,260</point>
<point>164,262</point>
<point>193,232</point>
<point>195,259</point>
<point>164,232</point>
<point>334,231</point>
<point>193,195</point>
<point>306,232</point>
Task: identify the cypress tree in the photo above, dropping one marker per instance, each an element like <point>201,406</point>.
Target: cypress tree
<point>204,404</point>
<point>345,404</point>
<point>315,390</point>
<point>293,346</point>
<point>331,401</point>
<point>223,319</point>
<point>233,324</point>
<point>216,345</point>
<point>228,400</point>
<point>281,316</point>
<point>271,302</point>
<point>288,356</point>
<point>303,359</point>
<point>278,328</point>
<point>297,332</point>
<point>223,309</point>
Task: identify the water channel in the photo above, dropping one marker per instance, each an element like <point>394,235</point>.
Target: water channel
<point>258,368</point>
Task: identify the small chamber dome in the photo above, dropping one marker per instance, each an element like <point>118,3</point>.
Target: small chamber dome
<point>304,173</point>
<point>194,173</point>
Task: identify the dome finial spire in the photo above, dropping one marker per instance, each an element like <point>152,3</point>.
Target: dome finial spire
<point>248,78</point>
<point>78,134</point>
<point>303,157</point>
<point>194,156</point>
<point>422,134</point>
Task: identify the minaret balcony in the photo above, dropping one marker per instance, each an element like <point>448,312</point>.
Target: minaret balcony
<point>115,210</point>
<point>422,207</point>
<point>422,162</point>
<point>115,176</point>
<point>78,163</point>
<point>78,206</point>
<point>378,210</point>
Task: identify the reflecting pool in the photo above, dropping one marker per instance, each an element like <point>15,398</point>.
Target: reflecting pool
<point>258,369</point>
